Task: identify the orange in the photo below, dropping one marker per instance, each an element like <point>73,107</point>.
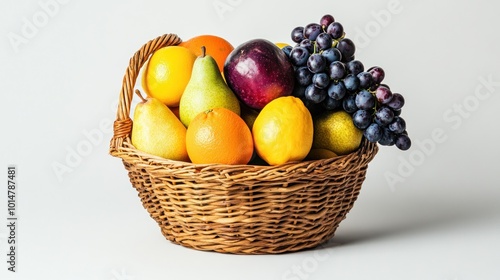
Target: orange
<point>167,73</point>
<point>217,47</point>
<point>283,131</point>
<point>219,136</point>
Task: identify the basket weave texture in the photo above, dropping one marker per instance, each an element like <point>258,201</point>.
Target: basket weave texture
<point>240,209</point>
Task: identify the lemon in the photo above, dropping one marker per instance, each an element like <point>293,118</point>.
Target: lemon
<point>337,133</point>
<point>167,73</point>
<point>283,131</point>
<point>281,44</point>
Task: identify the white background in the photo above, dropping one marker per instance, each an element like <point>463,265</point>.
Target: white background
<point>439,219</point>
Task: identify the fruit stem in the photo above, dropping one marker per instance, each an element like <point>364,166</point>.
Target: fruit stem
<point>140,95</point>
<point>203,51</point>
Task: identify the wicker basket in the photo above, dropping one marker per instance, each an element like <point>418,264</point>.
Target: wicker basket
<point>241,209</point>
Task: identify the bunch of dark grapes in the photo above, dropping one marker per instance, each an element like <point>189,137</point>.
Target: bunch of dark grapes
<point>329,78</point>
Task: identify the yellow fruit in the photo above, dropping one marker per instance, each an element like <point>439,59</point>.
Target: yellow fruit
<point>281,45</point>
<point>158,131</point>
<point>337,133</point>
<point>167,73</point>
<point>283,131</point>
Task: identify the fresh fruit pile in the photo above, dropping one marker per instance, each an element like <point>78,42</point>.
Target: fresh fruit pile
<point>264,102</point>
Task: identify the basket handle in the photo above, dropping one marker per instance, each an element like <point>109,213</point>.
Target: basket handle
<point>122,126</point>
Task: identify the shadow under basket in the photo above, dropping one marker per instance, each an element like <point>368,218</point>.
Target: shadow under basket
<point>240,209</point>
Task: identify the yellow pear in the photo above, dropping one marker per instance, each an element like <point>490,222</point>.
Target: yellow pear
<point>157,131</point>
<point>337,133</point>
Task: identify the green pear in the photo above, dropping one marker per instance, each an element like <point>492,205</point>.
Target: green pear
<point>206,90</point>
<point>157,131</point>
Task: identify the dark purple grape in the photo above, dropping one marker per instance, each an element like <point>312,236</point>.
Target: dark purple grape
<point>398,125</point>
<point>314,94</point>
<point>385,85</point>
<point>397,101</point>
<point>384,115</point>
<point>308,44</point>
<point>388,138</point>
<point>303,76</point>
<point>287,50</point>
<point>397,112</point>
<point>299,56</point>
<point>312,30</point>
<point>403,142</point>
<point>331,55</point>
<point>348,59</point>
<point>325,21</point>
<point>365,100</point>
<point>349,103</point>
<point>365,80</point>
<point>373,132</point>
<point>336,70</point>
<point>347,48</point>
<point>336,90</point>
<point>298,34</point>
<point>335,30</point>
<point>351,83</point>
<point>355,67</point>
<point>316,63</point>
<point>362,119</point>
<point>383,94</point>
<point>324,41</point>
<point>331,104</point>
<point>321,80</point>
<point>378,74</point>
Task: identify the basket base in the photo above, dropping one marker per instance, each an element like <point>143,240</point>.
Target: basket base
<point>208,211</point>
<point>245,247</point>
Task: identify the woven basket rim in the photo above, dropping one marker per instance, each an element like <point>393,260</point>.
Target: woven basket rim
<point>128,148</point>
